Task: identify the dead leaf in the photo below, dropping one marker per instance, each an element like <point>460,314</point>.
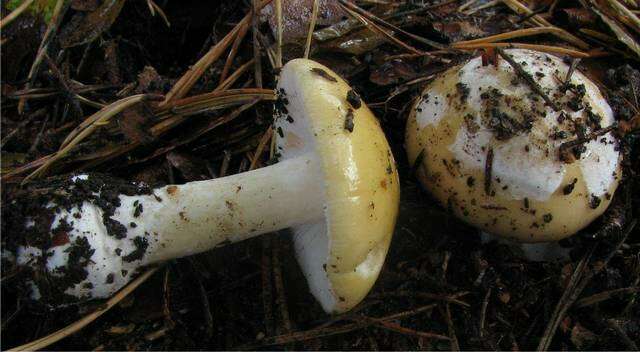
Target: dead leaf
<point>458,30</point>
<point>345,66</point>
<point>392,72</point>
<point>356,43</point>
<point>296,15</point>
<point>578,17</point>
<point>83,29</point>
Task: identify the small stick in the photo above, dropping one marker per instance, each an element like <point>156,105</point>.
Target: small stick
<point>447,298</point>
<point>267,286</point>
<point>256,44</point>
<point>39,135</point>
<point>455,346</point>
<point>224,166</point>
<point>524,74</point>
<point>279,31</point>
<point>488,170</point>
<point>572,67</point>
<point>445,265</point>
<point>83,59</point>
<point>166,295</point>
<point>603,296</point>
<point>483,312</point>
<point>578,141</point>
<point>281,299</point>
<point>387,325</point>
<point>312,26</point>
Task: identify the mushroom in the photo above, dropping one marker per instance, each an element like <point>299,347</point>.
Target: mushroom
<point>336,188</point>
<point>490,147</point>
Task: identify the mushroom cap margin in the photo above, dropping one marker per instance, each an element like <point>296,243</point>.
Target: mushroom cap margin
<point>359,172</point>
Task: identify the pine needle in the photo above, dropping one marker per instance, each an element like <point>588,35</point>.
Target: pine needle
<point>85,129</point>
<point>381,22</point>
<point>312,26</point>
<point>215,100</point>
<point>374,27</point>
<point>510,35</point>
<point>15,13</point>
<point>266,137</point>
<point>234,51</point>
<point>538,47</point>
<point>186,82</point>
<point>234,77</point>
<point>518,7</point>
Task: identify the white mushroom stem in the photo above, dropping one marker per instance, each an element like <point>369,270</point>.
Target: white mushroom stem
<point>198,216</point>
<point>93,254</point>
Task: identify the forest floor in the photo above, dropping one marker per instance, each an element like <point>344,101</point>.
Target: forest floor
<point>441,288</point>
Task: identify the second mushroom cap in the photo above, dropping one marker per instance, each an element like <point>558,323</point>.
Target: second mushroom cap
<point>489,148</point>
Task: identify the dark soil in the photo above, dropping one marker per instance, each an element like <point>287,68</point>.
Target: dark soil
<point>441,288</point>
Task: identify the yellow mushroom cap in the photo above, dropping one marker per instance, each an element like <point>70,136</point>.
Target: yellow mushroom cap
<point>342,254</point>
<point>474,121</point>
